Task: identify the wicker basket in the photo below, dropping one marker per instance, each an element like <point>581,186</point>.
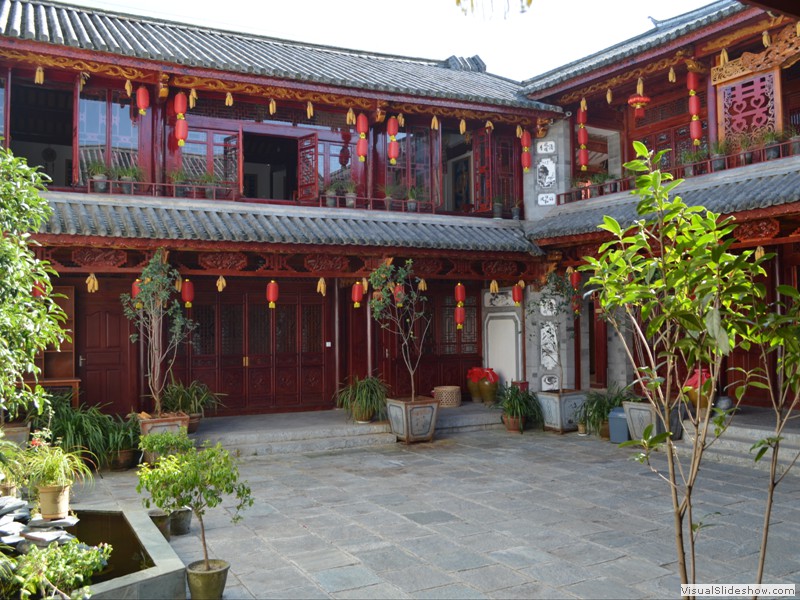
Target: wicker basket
<point>447,395</point>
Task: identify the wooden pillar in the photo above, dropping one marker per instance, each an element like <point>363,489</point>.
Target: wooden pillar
<point>711,100</point>
<point>337,332</point>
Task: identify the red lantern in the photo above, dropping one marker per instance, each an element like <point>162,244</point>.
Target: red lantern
<point>180,103</point>
<point>694,104</point>
<point>583,158</point>
<point>272,293</point>
<point>692,80</point>
<point>575,279</point>
<point>583,136</point>
<point>525,140</point>
<point>460,316</point>
<point>516,294</point>
<point>357,294</point>
<point>135,289</point>
<point>526,161</point>
<point>361,149</point>
<point>187,293</point>
<point>142,99</point>
<point>461,294</point>
<point>638,102</point>
<point>581,117</point>
<point>696,129</point>
<point>392,127</point>
<point>399,295</point>
<point>38,289</point>
<point>362,125</point>
<point>181,131</point>
<point>394,152</point>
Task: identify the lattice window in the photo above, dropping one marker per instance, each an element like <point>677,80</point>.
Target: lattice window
<point>749,106</point>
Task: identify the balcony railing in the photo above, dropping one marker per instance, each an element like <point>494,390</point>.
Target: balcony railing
<point>714,164</point>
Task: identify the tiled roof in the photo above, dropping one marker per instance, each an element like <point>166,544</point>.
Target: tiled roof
<point>662,33</point>
<point>762,185</point>
<point>130,217</point>
<point>194,46</point>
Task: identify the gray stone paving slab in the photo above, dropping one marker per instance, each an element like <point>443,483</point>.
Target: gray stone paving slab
<point>346,578</point>
<point>415,579</point>
<point>390,558</point>
<point>527,591</point>
<point>604,588</point>
<point>455,591</point>
<point>282,578</point>
<point>321,560</point>
<point>430,517</point>
<point>522,556</point>
<point>461,560</point>
<point>381,590</point>
<point>493,578</point>
<point>295,593</point>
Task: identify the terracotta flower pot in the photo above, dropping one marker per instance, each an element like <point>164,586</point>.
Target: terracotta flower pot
<point>54,501</point>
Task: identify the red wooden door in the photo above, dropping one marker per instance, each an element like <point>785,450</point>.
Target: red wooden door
<point>106,357</point>
<point>482,167</point>
<point>307,169</point>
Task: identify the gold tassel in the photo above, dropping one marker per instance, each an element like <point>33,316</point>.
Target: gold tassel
<point>797,29</point>
<point>39,77</point>
<point>221,283</point>
<point>379,115</point>
<point>365,284</point>
<point>388,260</point>
<point>192,98</point>
<point>462,127</point>
<point>569,270</point>
<point>351,118</point>
<point>178,284</point>
<point>519,131</point>
<point>493,287</point>
<point>321,287</point>
<point>765,39</point>
<point>759,252</point>
<point>310,110</point>
<point>583,104</point>
<point>723,57</point>
<point>671,77</point>
<point>228,99</point>
<point>401,120</point>
<point>609,96</point>
<point>128,87</point>
<point>489,126</point>
<point>423,286</point>
<point>434,122</point>
<point>521,283</point>
<point>273,106</point>
<point>640,86</point>
<point>91,284</point>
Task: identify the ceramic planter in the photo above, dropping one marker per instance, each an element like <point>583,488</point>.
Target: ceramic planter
<point>474,390</point>
<point>514,424</point>
<point>53,501</point>
<point>123,460</point>
<point>180,521</point>
<point>161,520</point>
<point>413,421</point>
<point>488,391</point>
<point>194,422</point>
<point>172,422</point>
<point>208,585</point>
<point>559,409</point>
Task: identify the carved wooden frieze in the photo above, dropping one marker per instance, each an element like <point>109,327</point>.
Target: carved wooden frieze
<point>427,267</point>
<point>99,257</point>
<point>461,267</point>
<point>757,230</point>
<point>783,52</point>
<point>222,261</point>
<point>320,263</point>
<point>83,66</point>
<point>500,269</point>
<point>274,262</point>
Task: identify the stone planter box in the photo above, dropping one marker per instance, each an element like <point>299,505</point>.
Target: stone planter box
<point>559,409</point>
<point>413,421</point>
<point>641,414</point>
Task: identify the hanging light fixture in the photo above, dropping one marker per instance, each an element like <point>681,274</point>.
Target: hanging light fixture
<point>362,127</point>
<point>272,293</point>
<point>187,293</point>
<point>460,316</point>
<point>180,104</point>
<point>393,150</point>
<point>517,292</point>
<point>525,140</point>
<point>639,101</point>
<point>181,131</point>
<point>583,136</point>
<point>142,99</point>
<point>695,124</point>
<point>357,294</point>
<point>399,295</point>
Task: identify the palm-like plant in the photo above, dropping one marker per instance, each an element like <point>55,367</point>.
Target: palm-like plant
<point>363,398</point>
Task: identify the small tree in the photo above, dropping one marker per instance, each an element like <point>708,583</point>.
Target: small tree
<point>29,322</point>
<point>678,298</point>
<point>398,305</point>
<point>160,322</point>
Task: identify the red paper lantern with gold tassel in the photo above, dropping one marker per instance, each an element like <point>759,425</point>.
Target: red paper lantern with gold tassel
<point>357,294</point>
<point>460,294</point>
<point>361,149</point>
<point>460,315</point>
<point>399,295</point>
<point>527,161</point>
<point>583,134</point>
<point>362,127</point>
<point>180,104</point>
<point>639,101</point>
<point>135,289</point>
<point>142,99</point>
<point>516,294</point>
<point>525,140</point>
<point>187,293</point>
<point>181,131</point>
<point>38,290</point>
<point>272,293</point>
<point>392,127</point>
<point>695,124</point>
<point>393,151</point>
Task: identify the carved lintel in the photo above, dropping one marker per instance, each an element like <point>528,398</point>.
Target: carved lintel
<point>99,257</point>
<point>222,261</point>
<point>427,267</point>
<point>784,51</point>
<point>461,267</point>
<point>757,230</point>
<point>319,263</point>
<point>274,262</point>
<point>500,269</point>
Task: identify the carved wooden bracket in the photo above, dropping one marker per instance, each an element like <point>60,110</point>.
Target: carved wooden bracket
<point>757,230</point>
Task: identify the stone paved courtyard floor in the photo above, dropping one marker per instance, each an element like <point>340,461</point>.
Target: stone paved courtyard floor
<point>485,514</point>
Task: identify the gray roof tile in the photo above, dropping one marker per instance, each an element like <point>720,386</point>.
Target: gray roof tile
<point>662,33</point>
<point>130,217</point>
<point>154,39</point>
<point>762,185</point>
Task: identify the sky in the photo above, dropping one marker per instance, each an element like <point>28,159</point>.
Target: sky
<point>518,45</point>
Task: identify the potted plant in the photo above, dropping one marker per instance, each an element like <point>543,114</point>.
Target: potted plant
<point>330,195</point>
<point>51,470</point>
<point>411,203</point>
<point>771,140</point>
<point>744,142</point>
<point>692,161</point>
<point>498,206</point>
<point>350,188</point>
<point>794,137</point>
<point>193,399</point>
<point>198,479</point>
<point>399,306</point>
<point>549,310</point>
<point>161,325</point>
<point>516,210</point>
<point>719,152</point>
<point>363,399</point>
<point>98,171</point>
<point>11,474</point>
<point>178,178</point>
<point>127,175</point>
<point>209,184</point>
<point>519,406</point>
<point>123,442</point>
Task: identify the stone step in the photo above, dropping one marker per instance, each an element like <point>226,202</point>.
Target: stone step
<point>323,431</point>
